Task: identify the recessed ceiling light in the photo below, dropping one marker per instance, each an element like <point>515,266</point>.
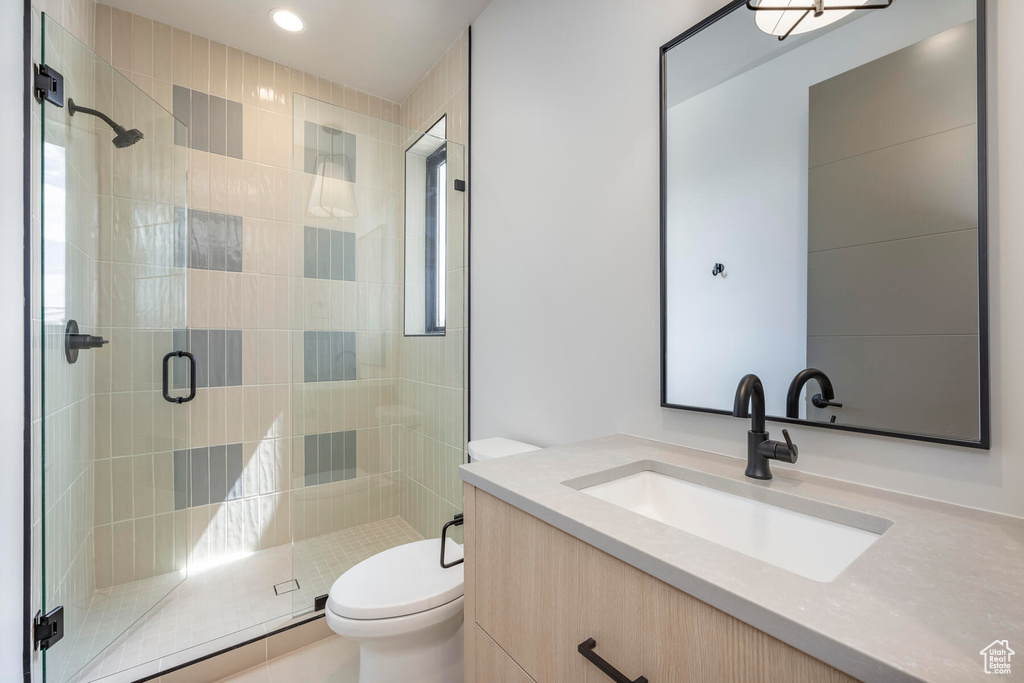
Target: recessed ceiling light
<point>288,20</point>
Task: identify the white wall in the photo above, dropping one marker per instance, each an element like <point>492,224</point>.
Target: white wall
<point>565,312</point>
<point>11,311</point>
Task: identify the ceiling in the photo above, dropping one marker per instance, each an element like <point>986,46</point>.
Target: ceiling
<point>383,47</point>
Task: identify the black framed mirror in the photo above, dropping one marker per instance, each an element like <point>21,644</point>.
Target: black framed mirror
<point>824,216</point>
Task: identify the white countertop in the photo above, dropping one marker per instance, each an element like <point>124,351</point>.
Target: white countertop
<point>919,605</point>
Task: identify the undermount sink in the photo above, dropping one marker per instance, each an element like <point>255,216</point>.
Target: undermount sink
<point>818,546</point>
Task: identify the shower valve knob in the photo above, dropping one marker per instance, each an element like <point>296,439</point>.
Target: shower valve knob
<point>86,341</point>
<point>75,342</point>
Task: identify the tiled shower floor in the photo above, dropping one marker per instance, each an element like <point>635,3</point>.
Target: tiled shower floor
<point>226,599</point>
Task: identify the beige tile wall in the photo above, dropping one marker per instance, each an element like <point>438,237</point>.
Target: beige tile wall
<point>369,307</point>
<point>433,381</point>
<point>405,466</point>
<point>273,409</point>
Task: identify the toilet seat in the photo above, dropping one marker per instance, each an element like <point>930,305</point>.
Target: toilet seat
<point>399,582</point>
<point>366,630</point>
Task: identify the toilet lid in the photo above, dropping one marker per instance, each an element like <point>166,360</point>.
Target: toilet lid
<point>403,580</point>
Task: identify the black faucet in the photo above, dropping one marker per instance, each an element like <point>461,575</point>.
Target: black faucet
<point>759,448</point>
<point>822,400</point>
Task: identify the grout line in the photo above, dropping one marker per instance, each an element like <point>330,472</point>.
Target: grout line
<point>897,239</point>
<point>896,144</point>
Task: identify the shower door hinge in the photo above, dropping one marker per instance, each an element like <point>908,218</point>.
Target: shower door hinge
<point>460,185</point>
<point>49,85</point>
<point>48,628</point>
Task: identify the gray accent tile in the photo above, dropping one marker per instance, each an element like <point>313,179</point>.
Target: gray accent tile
<point>324,458</point>
<point>328,254</point>
<point>309,247</point>
<point>350,454</point>
<point>337,356</point>
<point>213,242</point>
<point>218,239</point>
<point>199,247</point>
<point>218,358</point>
<point>218,474</point>
<point>180,480</point>
<point>200,348</point>
<point>234,244</point>
<point>179,369</point>
<point>337,456</point>
<point>234,129</point>
<point>337,255</point>
<point>323,254</point>
<point>182,106</point>
<point>180,237</point>
<point>233,351</point>
<point>236,488</point>
<point>349,369</point>
<point>328,355</point>
<point>329,457</point>
<point>200,476</point>
<point>323,356</point>
<point>311,460</point>
<point>349,271</point>
<point>200,125</point>
<point>309,355</point>
<point>218,125</point>
<point>324,141</point>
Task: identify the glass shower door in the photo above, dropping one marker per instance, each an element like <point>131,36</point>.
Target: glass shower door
<point>113,294</point>
<point>378,407</point>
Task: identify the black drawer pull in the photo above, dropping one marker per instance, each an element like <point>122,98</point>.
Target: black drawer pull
<point>586,648</point>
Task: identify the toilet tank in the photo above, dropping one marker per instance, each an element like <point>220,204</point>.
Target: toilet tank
<point>488,449</point>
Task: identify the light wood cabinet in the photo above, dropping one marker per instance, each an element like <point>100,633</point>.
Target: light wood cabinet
<point>499,667</point>
<point>535,593</point>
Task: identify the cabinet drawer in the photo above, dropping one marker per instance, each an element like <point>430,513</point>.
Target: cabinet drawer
<point>493,663</point>
<point>540,593</point>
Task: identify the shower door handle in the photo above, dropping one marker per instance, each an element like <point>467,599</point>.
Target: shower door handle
<point>191,377</point>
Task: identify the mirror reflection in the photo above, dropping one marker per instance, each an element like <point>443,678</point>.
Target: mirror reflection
<point>821,220</point>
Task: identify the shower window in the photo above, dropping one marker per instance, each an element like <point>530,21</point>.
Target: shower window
<point>434,233</point>
<point>426,232</point>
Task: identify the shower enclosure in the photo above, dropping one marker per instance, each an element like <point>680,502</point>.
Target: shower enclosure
<point>238,414</point>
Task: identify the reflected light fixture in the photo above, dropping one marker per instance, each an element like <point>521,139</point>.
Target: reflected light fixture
<point>784,18</point>
<point>288,20</point>
<point>331,196</point>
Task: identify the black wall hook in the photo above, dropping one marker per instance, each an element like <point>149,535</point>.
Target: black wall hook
<point>718,269</point>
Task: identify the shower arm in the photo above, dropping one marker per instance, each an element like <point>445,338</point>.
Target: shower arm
<point>74,109</point>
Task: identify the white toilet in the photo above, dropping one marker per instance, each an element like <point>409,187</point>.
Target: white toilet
<point>403,609</point>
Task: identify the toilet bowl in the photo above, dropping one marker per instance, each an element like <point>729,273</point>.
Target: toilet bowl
<point>404,609</point>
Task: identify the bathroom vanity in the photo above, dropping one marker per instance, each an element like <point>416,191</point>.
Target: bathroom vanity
<point>564,573</point>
